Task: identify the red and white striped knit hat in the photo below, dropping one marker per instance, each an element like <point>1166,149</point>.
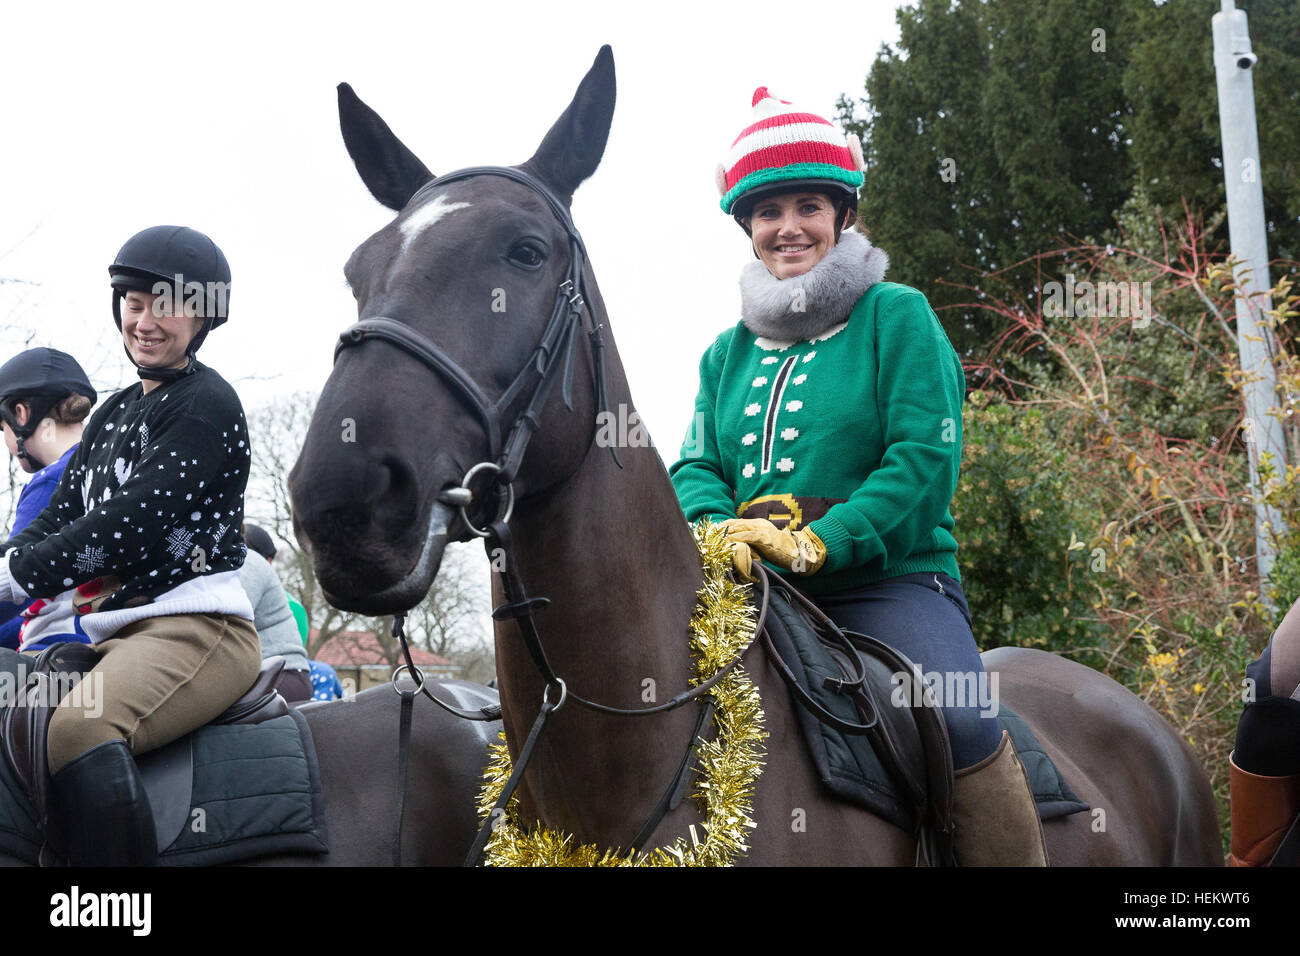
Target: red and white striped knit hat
<point>784,145</point>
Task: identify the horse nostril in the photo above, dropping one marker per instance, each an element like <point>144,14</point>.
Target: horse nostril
<point>395,503</point>
<point>403,473</point>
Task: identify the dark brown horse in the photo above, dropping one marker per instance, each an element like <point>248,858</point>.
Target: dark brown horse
<point>356,743</point>
<point>608,545</point>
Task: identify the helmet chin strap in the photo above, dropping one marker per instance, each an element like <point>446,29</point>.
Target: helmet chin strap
<point>36,413</point>
<point>163,374</point>
<point>23,452</point>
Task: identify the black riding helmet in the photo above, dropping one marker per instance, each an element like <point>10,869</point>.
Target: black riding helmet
<point>39,378</point>
<point>258,540</point>
<point>178,257</point>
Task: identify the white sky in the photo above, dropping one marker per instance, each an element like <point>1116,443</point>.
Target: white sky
<point>223,117</point>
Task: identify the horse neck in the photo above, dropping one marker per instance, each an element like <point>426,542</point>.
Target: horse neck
<point>612,551</point>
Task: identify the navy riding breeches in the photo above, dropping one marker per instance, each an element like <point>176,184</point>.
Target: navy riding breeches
<point>925,617</point>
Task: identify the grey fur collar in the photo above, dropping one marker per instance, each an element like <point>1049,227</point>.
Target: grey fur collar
<point>801,307</point>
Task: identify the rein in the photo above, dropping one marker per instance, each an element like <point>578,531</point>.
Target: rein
<point>513,586</point>
<point>521,607</point>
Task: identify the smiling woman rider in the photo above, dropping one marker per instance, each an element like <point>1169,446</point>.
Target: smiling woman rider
<point>142,535</point>
<point>827,440</point>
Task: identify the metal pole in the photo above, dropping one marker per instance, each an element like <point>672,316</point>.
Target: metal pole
<point>1233,62</point>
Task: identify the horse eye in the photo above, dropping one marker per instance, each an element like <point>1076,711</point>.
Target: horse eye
<point>527,254</point>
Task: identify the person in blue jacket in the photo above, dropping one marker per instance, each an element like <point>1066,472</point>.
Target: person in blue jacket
<point>44,398</point>
<point>325,684</point>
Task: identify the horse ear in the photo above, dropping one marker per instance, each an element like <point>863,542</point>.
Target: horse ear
<point>390,171</point>
<point>572,149</point>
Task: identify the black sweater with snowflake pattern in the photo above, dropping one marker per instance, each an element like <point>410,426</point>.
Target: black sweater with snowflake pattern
<point>154,497</point>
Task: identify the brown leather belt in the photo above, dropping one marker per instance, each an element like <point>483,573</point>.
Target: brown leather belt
<point>788,512</point>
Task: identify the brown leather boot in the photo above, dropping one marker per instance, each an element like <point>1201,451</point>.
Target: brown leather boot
<point>1262,811</point>
<point>995,815</point>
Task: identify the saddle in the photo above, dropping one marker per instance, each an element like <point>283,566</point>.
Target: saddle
<point>911,743</point>
<point>167,773</point>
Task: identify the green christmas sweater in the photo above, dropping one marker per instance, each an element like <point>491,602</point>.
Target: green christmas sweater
<point>855,434</point>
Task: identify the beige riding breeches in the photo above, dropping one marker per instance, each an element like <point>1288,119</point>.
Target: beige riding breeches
<point>157,679</point>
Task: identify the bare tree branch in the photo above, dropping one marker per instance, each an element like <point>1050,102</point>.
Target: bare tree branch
<point>452,622</point>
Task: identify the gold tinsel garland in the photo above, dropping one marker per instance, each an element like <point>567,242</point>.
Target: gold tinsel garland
<point>728,765</point>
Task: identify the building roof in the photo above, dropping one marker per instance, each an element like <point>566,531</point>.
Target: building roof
<point>362,649</point>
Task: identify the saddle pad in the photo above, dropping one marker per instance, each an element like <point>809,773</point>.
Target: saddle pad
<point>846,764</point>
<point>849,767</point>
<point>1052,794</point>
<point>256,792</point>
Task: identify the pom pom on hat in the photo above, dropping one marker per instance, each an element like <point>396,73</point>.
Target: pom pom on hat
<point>785,144</point>
<point>761,94</point>
<point>855,153</point>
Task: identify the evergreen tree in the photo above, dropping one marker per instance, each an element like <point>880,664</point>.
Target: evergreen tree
<point>1001,129</point>
<point>1176,143</point>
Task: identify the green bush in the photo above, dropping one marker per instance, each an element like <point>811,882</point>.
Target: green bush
<point>1021,515</point>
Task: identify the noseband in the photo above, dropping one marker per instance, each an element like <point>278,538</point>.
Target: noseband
<point>557,340</point>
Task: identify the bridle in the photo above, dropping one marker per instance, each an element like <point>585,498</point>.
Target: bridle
<point>505,455</point>
<point>505,458</point>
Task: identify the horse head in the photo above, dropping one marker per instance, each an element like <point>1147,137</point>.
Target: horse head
<point>469,269</point>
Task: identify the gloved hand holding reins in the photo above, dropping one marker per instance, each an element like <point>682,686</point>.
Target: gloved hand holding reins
<point>799,551</point>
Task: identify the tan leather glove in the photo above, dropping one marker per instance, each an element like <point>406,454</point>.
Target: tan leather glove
<point>799,551</point>
<point>743,560</point>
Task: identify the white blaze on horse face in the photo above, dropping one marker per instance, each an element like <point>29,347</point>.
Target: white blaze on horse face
<point>424,217</point>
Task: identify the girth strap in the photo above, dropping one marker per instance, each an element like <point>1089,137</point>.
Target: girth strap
<point>403,765</point>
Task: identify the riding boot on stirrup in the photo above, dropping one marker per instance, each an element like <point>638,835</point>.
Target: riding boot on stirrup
<point>102,811</point>
<point>995,815</point>
<point>1262,810</point>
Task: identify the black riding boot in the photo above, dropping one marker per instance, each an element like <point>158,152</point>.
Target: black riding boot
<point>102,811</point>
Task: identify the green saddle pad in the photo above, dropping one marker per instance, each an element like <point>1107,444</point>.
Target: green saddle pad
<point>256,792</point>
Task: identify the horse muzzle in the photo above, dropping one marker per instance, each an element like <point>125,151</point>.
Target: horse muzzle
<point>412,588</point>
